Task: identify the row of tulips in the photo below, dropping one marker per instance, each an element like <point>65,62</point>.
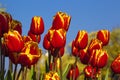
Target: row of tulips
<point>24,49</point>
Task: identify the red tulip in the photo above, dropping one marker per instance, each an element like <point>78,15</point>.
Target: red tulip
<point>13,57</point>
<point>16,25</point>
<point>46,42</point>
<point>73,72</point>
<point>74,50</point>
<point>89,71</point>
<point>104,36</point>
<point>37,25</point>
<point>61,20</point>
<point>34,37</point>
<point>29,54</point>
<point>81,39</point>
<point>26,38</point>
<point>98,58</point>
<point>94,44</point>
<point>115,66</point>
<point>57,38</point>
<point>5,19</point>
<point>84,56</point>
<point>13,41</point>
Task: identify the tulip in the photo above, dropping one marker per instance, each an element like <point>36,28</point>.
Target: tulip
<point>52,75</point>
<point>75,51</point>
<point>89,71</point>
<point>13,56</point>
<point>57,38</point>
<point>81,39</point>
<point>73,73</point>
<point>35,38</point>
<point>5,19</point>
<point>84,56</point>
<point>29,54</point>
<point>98,58</point>
<point>26,38</point>
<point>46,42</point>
<point>104,36</point>
<point>61,20</point>
<point>94,44</point>
<point>115,66</point>
<point>16,25</point>
<point>37,25</point>
<point>13,41</point>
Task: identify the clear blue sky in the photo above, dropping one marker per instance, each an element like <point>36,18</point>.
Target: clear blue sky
<point>90,15</point>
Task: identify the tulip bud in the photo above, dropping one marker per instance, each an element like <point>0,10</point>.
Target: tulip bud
<point>34,37</point>
<point>61,20</point>
<point>57,38</point>
<point>75,51</point>
<point>37,25</point>
<point>29,54</point>
<point>104,36</point>
<point>115,66</point>
<point>81,39</point>
<point>98,58</point>
<point>73,72</point>
<point>46,42</point>
<point>94,44</point>
<point>13,41</point>
<point>89,71</point>
<point>84,56</point>
<point>16,25</point>
<point>5,19</point>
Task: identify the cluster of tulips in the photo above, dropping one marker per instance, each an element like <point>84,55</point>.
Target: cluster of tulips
<point>24,49</point>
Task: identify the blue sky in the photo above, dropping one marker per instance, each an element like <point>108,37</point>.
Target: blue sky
<point>89,15</point>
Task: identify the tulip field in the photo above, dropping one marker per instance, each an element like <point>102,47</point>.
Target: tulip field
<point>89,58</point>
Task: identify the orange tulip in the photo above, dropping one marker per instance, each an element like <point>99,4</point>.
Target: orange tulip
<point>81,39</point>
<point>61,20</point>
<point>13,41</point>
<point>37,25</point>
<point>104,36</point>
<point>29,54</point>
<point>98,58</point>
<point>115,66</point>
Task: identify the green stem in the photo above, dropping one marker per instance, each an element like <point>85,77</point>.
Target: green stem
<point>61,68</point>
<point>14,75</point>
<point>19,73</point>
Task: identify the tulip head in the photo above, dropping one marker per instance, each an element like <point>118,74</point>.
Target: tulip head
<point>115,66</point>
<point>104,36</point>
<point>81,39</point>
<point>13,41</point>
<point>37,25</point>
<point>61,20</point>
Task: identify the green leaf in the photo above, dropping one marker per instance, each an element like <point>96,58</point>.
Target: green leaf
<point>66,71</point>
<point>107,72</point>
<point>46,66</point>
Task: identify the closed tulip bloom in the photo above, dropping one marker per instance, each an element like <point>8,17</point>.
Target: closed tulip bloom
<point>81,39</point>
<point>73,72</point>
<point>94,44</point>
<point>16,25</point>
<point>29,54</point>
<point>5,19</point>
<point>34,37</point>
<point>84,56</point>
<point>115,66</point>
<point>37,25</point>
<point>104,36</point>
<point>57,38</point>
<point>98,58</point>
<point>13,41</point>
<point>74,50</point>
<point>46,42</point>
<point>61,20</point>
